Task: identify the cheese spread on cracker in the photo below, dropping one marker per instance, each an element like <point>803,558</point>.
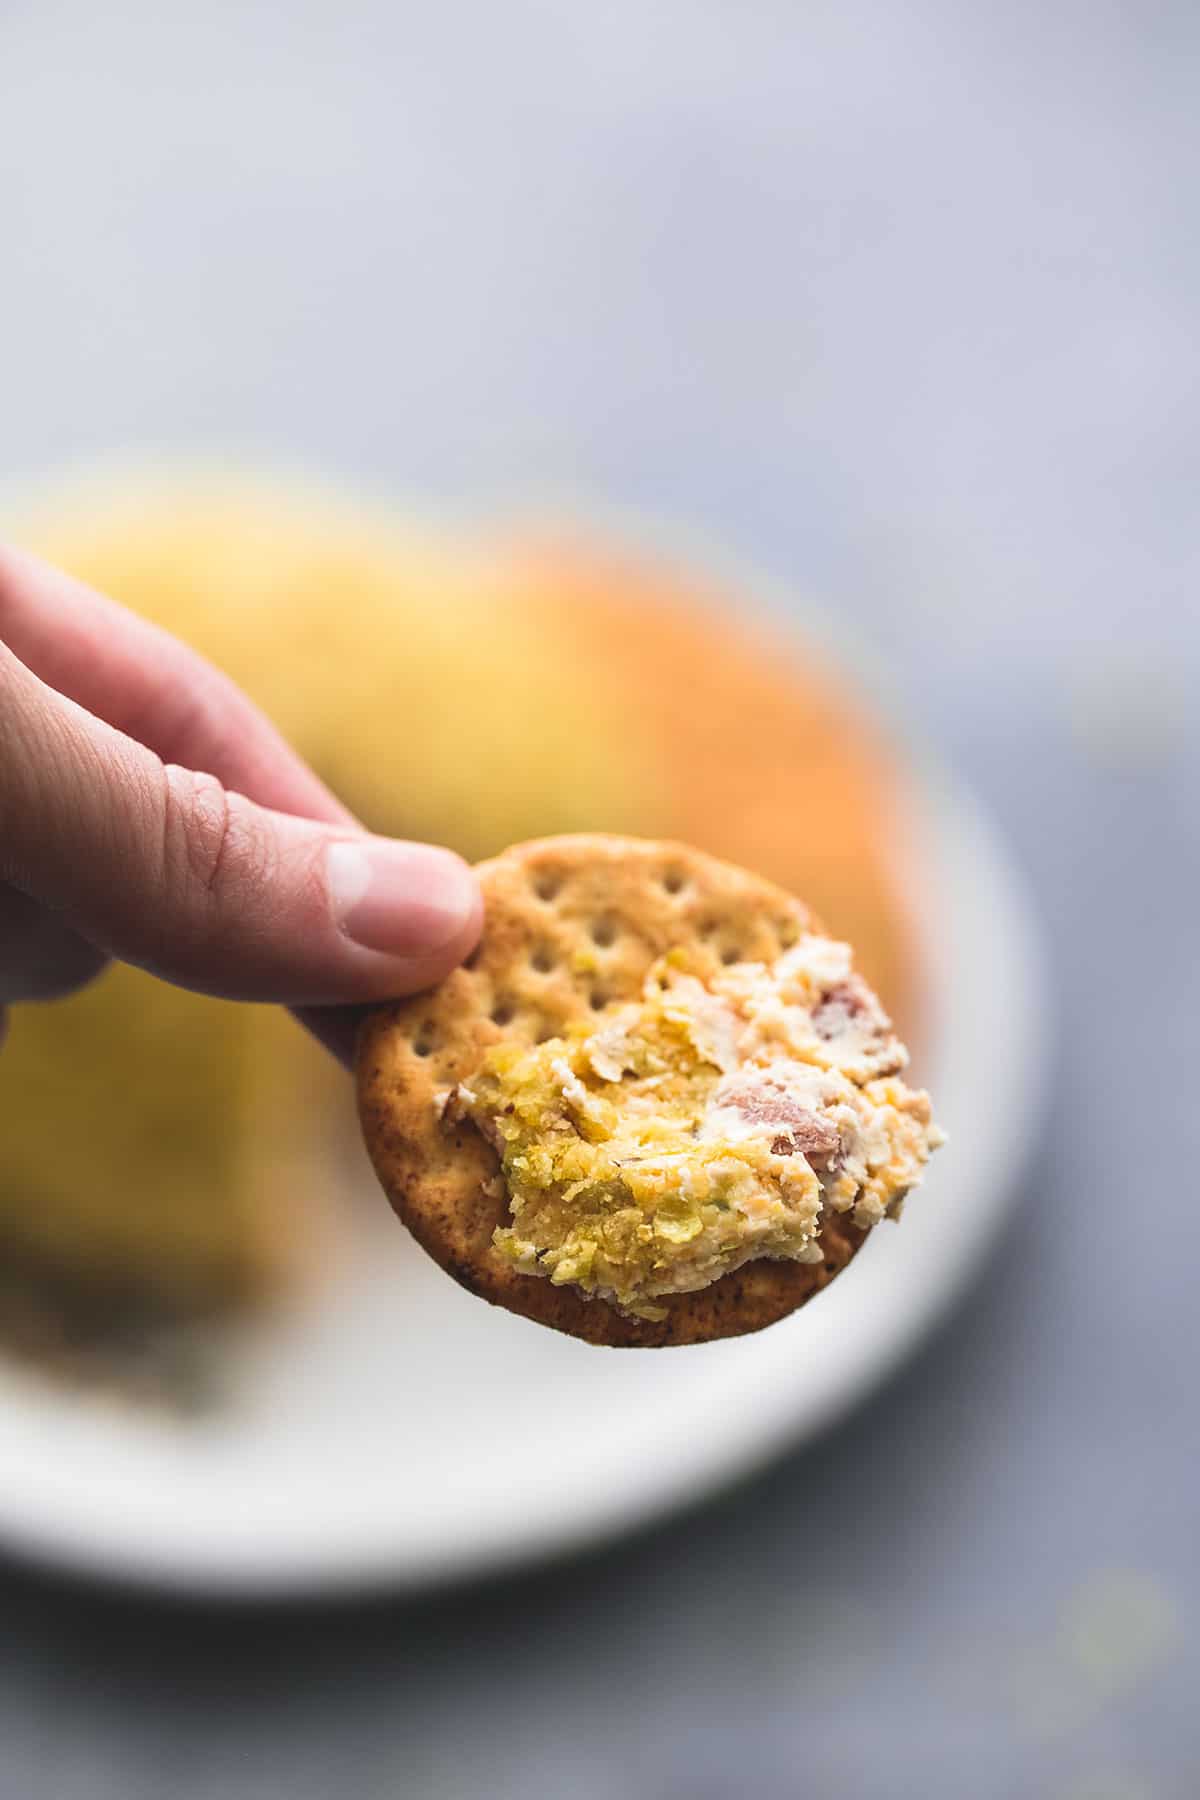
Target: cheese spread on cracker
<point>660,1143</point>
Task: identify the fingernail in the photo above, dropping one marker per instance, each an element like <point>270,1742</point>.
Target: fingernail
<point>402,899</point>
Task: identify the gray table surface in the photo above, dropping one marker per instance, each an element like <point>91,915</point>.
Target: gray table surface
<point>900,301</point>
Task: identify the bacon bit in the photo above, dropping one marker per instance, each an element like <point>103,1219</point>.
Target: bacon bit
<point>848,1001</point>
<point>805,1133</point>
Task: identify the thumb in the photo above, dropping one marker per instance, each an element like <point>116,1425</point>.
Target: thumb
<point>165,867</point>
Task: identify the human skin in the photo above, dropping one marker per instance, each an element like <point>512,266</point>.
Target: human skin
<point>149,812</point>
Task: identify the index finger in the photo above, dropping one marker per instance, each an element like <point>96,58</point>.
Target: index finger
<point>146,683</point>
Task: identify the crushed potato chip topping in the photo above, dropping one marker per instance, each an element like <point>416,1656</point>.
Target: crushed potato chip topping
<point>664,1142</point>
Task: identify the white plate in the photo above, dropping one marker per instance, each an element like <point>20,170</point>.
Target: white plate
<point>397,1433</point>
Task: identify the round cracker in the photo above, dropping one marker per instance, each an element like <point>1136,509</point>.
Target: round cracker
<point>570,924</point>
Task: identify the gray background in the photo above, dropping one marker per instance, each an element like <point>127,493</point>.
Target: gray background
<point>900,301</point>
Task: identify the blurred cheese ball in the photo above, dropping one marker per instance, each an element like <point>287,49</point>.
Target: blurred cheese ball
<point>458,688</point>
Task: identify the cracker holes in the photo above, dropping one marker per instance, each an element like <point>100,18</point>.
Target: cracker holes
<point>543,959</point>
<point>603,933</point>
<point>728,950</point>
<point>503,1012</point>
<point>597,999</point>
<point>547,886</point>
<point>674,882</point>
<point>425,1038</point>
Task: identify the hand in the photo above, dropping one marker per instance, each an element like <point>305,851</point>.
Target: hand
<point>149,812</point>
